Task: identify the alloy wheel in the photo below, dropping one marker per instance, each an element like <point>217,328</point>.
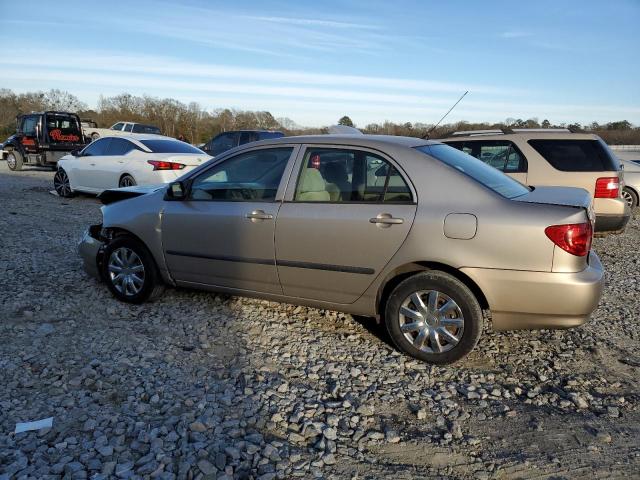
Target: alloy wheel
<point>61,183</point>
<point>431,321</point>
<point>627,196</point>
<point>126,271</point>
<point>11,161</point>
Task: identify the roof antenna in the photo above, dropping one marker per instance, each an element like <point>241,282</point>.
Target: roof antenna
<point>426,135</point>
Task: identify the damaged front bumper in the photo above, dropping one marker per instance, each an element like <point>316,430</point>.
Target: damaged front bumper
<point>90,249</point>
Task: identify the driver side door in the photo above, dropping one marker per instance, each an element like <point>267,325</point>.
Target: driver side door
<point>223,233</point>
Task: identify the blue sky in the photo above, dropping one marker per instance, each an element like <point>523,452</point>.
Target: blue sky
<point>373,60</point>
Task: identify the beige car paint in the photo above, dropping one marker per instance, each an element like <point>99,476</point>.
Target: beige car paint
<point>509,264</point>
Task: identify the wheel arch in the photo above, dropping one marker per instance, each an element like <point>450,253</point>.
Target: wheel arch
<point>634,191</point>
<point>402,272</point>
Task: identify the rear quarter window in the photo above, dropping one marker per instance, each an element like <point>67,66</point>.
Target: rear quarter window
<point>576,155</point>
<point>476,169</point>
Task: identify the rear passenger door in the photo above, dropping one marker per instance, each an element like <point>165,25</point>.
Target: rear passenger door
<point>112,165</point>
<point>345,214</point>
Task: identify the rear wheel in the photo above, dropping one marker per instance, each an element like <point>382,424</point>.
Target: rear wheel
<point>630,197</point>
<point>61,184</point>
<point>127,181</point>
<point>434,317</point>
<point>14,160</point>
<point>130,271</point>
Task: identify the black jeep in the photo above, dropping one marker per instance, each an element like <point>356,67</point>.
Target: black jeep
<point>42,138</point>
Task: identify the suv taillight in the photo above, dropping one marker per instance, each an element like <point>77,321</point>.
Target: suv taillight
<point>607,187</point>
<point>574,238</point>
<point>160,165</point>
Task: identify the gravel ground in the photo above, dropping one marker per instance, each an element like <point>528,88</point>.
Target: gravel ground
<point>208,386</point>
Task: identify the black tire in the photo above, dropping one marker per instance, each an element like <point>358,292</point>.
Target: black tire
<point>127,181</point>
<point>467,314</point>
<point>149,288</point>
<point>62,185</point>
<point>95,136</point>
<point>14,160</point>
<point>630,197</point>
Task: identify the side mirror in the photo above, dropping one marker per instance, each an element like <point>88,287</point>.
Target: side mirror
<point>176,191</point>
<point>76,152</point>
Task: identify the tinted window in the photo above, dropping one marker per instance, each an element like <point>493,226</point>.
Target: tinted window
<point>120,146</point>
<point>479,171</point>
<point>170,146</point>
<point>337,175</point>
<point>97,148</point>
<point>500,154</point>
<point>128,127</point>
<point>138,128</point>
<point>576,155</point>
<point>222,143</point>
<point>251,176</point>
<point>117,126</point>
<point>248,137</point>
<point>268,135</point>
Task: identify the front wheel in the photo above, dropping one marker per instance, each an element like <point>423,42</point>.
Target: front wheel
<point>95,136</point>
<point>434,317</point>
<point>130,271</point>
<point>14,160</point>
<point>61,184</point>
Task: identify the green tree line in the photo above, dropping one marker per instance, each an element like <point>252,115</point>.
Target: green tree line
<point>198,125</point>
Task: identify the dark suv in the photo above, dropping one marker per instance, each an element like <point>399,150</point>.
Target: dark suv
<point>228,140</point>
<point>42,138</point>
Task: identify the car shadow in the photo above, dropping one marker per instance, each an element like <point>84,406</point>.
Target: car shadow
<point>375,328</point>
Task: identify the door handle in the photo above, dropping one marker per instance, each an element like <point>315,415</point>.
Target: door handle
<point>385,220</point>
<point>257,215</point>
<point>92,164</point>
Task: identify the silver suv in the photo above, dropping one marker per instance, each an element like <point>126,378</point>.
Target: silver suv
<point>411,231</point>
<point>542,157</point>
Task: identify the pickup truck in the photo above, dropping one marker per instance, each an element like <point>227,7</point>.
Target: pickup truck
<point>92,131</point>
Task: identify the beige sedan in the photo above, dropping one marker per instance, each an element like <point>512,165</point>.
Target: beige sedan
<point>413,232</point>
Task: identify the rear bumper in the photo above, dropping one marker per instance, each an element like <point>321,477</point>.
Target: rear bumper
<point>611,223</point>
<point>534,300</point>
<point>89,248</point>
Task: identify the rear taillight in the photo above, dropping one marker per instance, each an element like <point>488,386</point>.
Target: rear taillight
<point>574,238</point>
<point>160,165</point>
<point>607,187</point>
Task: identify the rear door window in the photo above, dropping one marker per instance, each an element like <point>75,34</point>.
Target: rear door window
<point>339,175</point>
<point>576,155</point>
<point>120,146</point>
<point>479,171</point>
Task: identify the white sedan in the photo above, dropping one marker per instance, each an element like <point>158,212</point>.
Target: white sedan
<point>112,162</point>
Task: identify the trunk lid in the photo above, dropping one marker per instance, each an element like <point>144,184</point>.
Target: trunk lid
<point>565,196</point>
<point>562,196</point>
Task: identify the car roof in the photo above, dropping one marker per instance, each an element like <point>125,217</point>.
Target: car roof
<point>352,140</point>
<point>552,135</point>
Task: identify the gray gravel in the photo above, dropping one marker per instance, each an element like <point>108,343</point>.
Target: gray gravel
<point>203,386</point>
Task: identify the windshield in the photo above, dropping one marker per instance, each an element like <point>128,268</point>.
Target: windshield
<point>170,146</point>
<point>476,169</point>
